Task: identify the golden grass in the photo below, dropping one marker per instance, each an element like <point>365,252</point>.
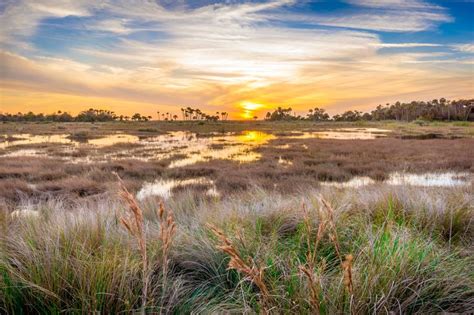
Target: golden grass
<point>133,223</point>
<point>250,269</point>
<point>326,223</point>
<point>167,231</point>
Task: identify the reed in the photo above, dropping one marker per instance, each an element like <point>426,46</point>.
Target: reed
<point>167,232</point>
<point>133,223</point>
<point>397,256</point>
<point>308,269</point>
<point>252,272</point>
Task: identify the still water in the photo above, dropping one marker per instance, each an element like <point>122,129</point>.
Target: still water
<point>185,148</point>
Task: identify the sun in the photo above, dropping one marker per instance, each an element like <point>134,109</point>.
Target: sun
<point>250,105</point>
<point>249,108</point>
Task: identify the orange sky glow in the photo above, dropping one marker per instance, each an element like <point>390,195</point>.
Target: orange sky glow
<point>242,57</point>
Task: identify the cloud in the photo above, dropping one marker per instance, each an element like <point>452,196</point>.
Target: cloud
<point>405,45</point>
<point>147,55</point>
<point>465,48</point>
<point>386,21</point>
<point>21,18</point>
<point>394,4</point>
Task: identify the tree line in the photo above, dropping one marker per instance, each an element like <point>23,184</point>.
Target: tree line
<point>100,115</point>
<point>90,115</point>
<point>189,113</point>
<point>441,110</point>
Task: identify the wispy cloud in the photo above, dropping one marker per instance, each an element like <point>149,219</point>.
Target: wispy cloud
<point>465,48</point>
<point>219,55</point>
<point>394,4</point>
<point>405,45</point>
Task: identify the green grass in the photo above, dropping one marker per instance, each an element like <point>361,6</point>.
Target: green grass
<point>159,127</point>
<point>412,254</point>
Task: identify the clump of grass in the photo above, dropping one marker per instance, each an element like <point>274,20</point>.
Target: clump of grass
<point>308,269</point>
<point>80,258</point>
<point>253,272</point>
<point>326,223</point>
<point>133,222</point>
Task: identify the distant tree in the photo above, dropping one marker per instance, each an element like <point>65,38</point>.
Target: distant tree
<point>281,114</point>
<point>317,114</point>
<point>136,117</point>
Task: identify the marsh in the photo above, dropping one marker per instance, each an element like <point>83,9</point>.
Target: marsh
<point>396,193</point>
<point>43,161</point>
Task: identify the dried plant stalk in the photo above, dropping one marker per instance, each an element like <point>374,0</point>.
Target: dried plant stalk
<point>332,225</point>
<point>313,283</point>
<point>254,273</point>
<point>133,223</point>
<point>167,231</point>
<point>347,268</point>
<point>346,264</point>
<point>308,269</point>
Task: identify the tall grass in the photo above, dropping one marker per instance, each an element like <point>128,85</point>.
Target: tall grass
<point>377,250</point>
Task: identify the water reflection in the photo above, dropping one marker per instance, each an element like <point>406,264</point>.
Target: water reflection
<point>183,148</point>
<point>430,179</point>
<point>355,182</point>
<point>233,147</point>
<point>344,134</point>
<point>164,187</point>
<point>27,139</point>
<point>447,179</point>
<point>284,162</point>
<point>113,139</point>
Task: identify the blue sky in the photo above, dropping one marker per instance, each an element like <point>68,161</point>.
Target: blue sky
<point>162,55</point>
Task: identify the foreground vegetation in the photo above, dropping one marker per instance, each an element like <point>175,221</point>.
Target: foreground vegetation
<point>377,250</point>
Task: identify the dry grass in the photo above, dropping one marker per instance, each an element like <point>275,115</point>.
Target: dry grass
<point>79,257</point>
<point>253,273</point>
<point>133,221</point>
<point>167,232</point>
<point>313,160</point>
<point>326,224</point>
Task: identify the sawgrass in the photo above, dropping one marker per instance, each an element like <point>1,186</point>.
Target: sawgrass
<point>410,252</point>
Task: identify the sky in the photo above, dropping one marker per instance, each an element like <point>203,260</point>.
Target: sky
<point>242,57</point>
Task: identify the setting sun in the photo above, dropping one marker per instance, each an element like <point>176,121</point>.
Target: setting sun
<point>249,109</point>
<point>251,106</point>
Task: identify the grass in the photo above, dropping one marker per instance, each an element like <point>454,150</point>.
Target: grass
<point>270,245</point>
<point>158,127</point>
<point>410,252</point>
<point>312,161</point>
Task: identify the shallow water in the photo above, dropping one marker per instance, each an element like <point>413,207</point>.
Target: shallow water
<point>430,179</point>
<point>164,187</point>
<point>27,139</point>
<point>113,139</point>
<point>184,148</point>
<point>446,179</point>
<point>194,148</point>
<point>344,134</point>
